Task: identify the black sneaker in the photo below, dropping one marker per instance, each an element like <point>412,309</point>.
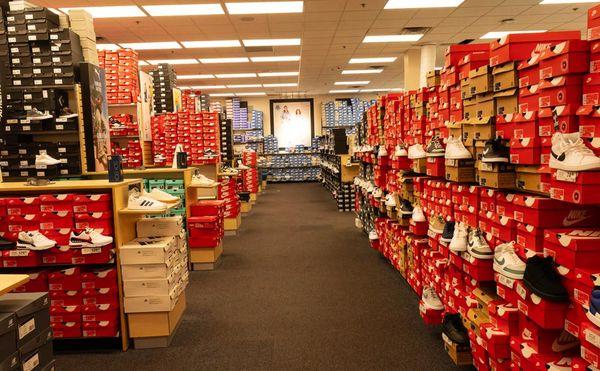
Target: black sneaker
<point>543,280</point>
<point>6,244</point>
<point>435,148</point>
<point>495,151</point>
<point>406,208</point>
<point>454,329</point>
<point>448,232</point>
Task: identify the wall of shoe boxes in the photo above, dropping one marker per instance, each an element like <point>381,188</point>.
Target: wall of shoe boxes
<point>250,175</point>
<point>333,169</point>
<point>297,164</point>
<point>510,276</point>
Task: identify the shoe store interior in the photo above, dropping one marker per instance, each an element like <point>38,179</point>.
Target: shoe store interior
<point>290,185</point>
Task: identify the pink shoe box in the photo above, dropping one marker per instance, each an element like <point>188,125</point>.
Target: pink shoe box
<point>58,255</point>
<point>20,258</point>
<point>65,298</point>
<point>545,212</point>
<point>581,188</point>
<point>60,313</point>
<point>56,202</point>
<point>573,248</point>
<point>22,205</point>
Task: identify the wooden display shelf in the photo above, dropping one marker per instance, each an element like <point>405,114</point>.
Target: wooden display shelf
<point>65,185</point>
<point>9,282</point>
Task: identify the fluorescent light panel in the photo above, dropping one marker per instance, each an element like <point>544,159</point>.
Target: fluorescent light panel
<point>212,44</point>
<point>271,42</point>
<point>172,61</point>
<point>107,46</point>
<point>343,91</point>
<point>123,11</point>
<point>221,95</point>
<point>224,60</point>
<point>501,34</point>
<point>289,58</point>
<point>411,4</point>
<point>372,90</point>
<point>351,82</point>
<point>195,77</point>
<point>280,85</point>
<point>250,94</point>
<point>392,38</point>
<point>372,60</point>
<point>265,7</point>
<point>183,9</point>
<point>361,72</point>
<point>243,86</point>
<point>234,75</point>
<point>208,87</point>
<point>152,46</point>
<point>278,74</point>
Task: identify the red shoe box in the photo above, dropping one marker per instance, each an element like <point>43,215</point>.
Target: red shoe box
<point>545,212</point>
<point>529,98</point>
<point>495,341</point>
<point>589,121</point>
<point>95,220</point>
<point>65,298</point>
<point>99,279</point>
<point>66,330</point>
<point>20,258</point>
<point>38,282</point>
<point>525,125</point>
<point>591,89</point>
<point>61,236</point>
<point>58,255</point>
<point>59,313</point>
<point>100,296</point>
<point>573,248</point>
<point>546,314</point>
<point>530,238</point>
<point>92,203</point>
<point>504,316</point>
<point>22,205</point>
<point>568,57</point>
<point>101,329</point>
<point>593,26</point>
<point>538,338</point>
<point>436,166</point>
<point>65,280</point>
<point>525,151</point>
<point>576,187</point>
<point>506,288</point>
<point>515,47</point>
<point>56,202</point>
<point>19,223</point>
<point>478,269</point>
<point>565,115</point>
<point>206,208</point>
<point>93,255</point>
<point>560,91</point>
<point>430,316</point>
<point>529,71</point>
<point>56,220</point>
<point>100,312</point>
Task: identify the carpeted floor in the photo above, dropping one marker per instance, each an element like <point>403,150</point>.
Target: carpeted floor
<point>298,288</point>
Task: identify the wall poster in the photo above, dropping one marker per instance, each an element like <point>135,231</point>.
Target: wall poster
<point>292,121</point>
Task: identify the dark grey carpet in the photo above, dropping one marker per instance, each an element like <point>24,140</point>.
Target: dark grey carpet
<point>298,288</point>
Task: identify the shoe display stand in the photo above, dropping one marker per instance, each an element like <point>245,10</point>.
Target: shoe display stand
<point>299,166</point>
<point>338,177</point>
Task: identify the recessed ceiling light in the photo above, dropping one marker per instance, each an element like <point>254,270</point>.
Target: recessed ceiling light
<point>208,87</point>
<point>221,95</point>
<point>212,44</point>
<point>195,77</point>
<point>250,94</point>
<point>276,74</point>
<point>372,60</point>
<point>351,82</point>
<point>280,85</point>
<point>289,58</point>
<point>372,90</point>
<point>544,2</point>
<point>343,91</point>
<point>265,7</point>
<point>107,46</point>
<point>501,34</point>
<point>235,75</point>
<point>152,46</point>
<point>124,11</point>
<point>242,86</point>
<point>411,4</point>
<point>172,61</point>
<point>224,60</point>
<point>392,38</point>
<point>183,9</point>
<point>271,42</point>
<point>361,72</point>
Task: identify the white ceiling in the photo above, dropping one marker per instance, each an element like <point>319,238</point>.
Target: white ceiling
<point>331,31</point>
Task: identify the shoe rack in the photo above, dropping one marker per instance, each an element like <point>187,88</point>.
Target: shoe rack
<point>132,109</point>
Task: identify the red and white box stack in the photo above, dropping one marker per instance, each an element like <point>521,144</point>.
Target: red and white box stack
<point>121,71</point>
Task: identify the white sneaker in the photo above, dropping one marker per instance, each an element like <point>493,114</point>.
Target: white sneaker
<point>373,235</point>
<point>507,262</point>
<point>139,202</point>
<point>416,152</point>
<point>382,152</point>
<point>200,180</point>
<point>456,150</point>
<point>570,153</point>
<point>417,214</point>
<point>390,200</point>
<point>241,166</point>
<point>45,160</point>
<point>89,238</point>
<point>400,150</point>
<point>459,239</point>
<point>34,240</point>
<point>478,246</point>
<point>162,196</point>
<point>431,300</point>
<point>377,193</point>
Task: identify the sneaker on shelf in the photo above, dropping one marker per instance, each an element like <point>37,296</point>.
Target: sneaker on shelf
<point>382,152</point>
<point>159,157</point>
<point>453,328</point>
<point>570,153</point>
<point>35,114</point>
<point>377,192</point>
<point>89,238</point>
<point>495,151</point>
<point>34,240</point>
<point>143,203</point>
<point>400,150</point>
<point>431,299</point>
<point>200,180</point>
<point>45,160</point>
<point>543,280</point>
<point>563,364</point>
<point>67,113</point>
<point>241,166</point>
<point>436,225</point>
<point>478,247</point>
<point>6,244</point>
<point>507,262</point>
<point>448,232</point>
<point>390,200</point>
<point>228,171</point>
<point>593,313</point>
<point>115,124</point>
<point>418,216</point>
<point>162,196</point>
<point>459,239</point>
<point>178,149</point>
<point>406,208</point>
<point>435,148</point>
<point>416,152</point>
<point>209,153</point>
<point>373,235</point>
<point>456,150</point>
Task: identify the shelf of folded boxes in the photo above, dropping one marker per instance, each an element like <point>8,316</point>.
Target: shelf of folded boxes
<point>66,237</point>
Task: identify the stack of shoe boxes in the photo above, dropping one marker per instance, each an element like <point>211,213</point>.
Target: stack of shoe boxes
<point>226,134</point>
<point>227,192</point>
<point>155,274</point>
<point>270,144</point>
<point>256,121</point>
<point>250,177</point>
<point>121,71</point>
<point>26,334</point>
<point>82,24</point>
<point>206,228</point>
<point>130,150</point>
<point>164,80</point>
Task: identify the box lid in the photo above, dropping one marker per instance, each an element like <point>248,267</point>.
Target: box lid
<point>476,56</point>
<point>566,80</point>
<point>465,48</point>
<point>560,111</point>
<point>506,67</point>
<point>526,116</point>
<point>569,46</point>
<point>531,62</point>
<point>529,90</point>
<point>24,304</point>
<point>506,118</point>
<point>506,93</point>
<point>480,71</point>
<point>588,110</point>
<point>574,239</point>
<point>8,321</point>
<point>539,37</point>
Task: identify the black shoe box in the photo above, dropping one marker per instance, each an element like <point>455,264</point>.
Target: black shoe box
<point>64,79</point>
<point>36,26</point>
<point>16,81</point>
<point>38,36</point>
<point>40,49</point>
<point>66,59</point>
<point>68,169</point>
<point>39,358</point>
<point>18,38</point>
<point>42,72</point>
<point>11,362</point>
<point>18,50</point>
<point>20,62</point>
<point>25,72</point>
<point>64,148</point>
<point>23,128</point>
<point>16,29</point>
<point>31,311</point>
<point>15,16</point>
<point>42,61</point>
<point>59,125</point>
<point>8,335</point>
<point>41,13</point>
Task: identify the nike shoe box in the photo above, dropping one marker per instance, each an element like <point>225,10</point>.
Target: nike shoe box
<point>573,248</point>
<point>575,187</point>
<point>65,329</point>
<point>92,203</point>
<point>58,255</point>
<point>100,329</point>
<point>100,296</point>
<point>22,205</point>
<point>93,255</point>
<point>560,91</point>
<point>565,58</point>
<point>525,358</point>
<point>96,220</point>
<point>38,282</point>
<point>100,313</point>
<point>65,298</point>
<point>50,220</point>
<point>529,98</point>
<point>593,25</point>
<point>62,314</point>
<point>591,89</point>
<point>65,280</point>
<point>545,212</point>
<point>589,122</point>
<point>546,314</point>
<point>515,47</point>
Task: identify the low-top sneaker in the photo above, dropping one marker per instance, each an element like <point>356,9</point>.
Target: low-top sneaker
<point>495,151</point>
<point>418,216</point>
<point>390,200</point>
<point>202,181</point>
<point>478,247</point>
<point>143,203</point>
<point>542,279</point>
<point>453,328</point>
<point>373,235</point>
<point>400,150</point>
<point>431,300</point>
<point>161,196</point>
<point>406,208</point>
<point>436,225</point>
<point>459,239</point>
<point>45,160</point>
<point>456,150</point>
<point>507,262</point>
<point>435,148</point>
<point>382,152</point>
<point>570,153</point>
<point>89,238</point>
<point>448,232</point>
<point>416,152</point>
<point>34,240</point>
<point>593,313</point>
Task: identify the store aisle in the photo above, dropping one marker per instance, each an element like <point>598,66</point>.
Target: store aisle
<point>297,288</point>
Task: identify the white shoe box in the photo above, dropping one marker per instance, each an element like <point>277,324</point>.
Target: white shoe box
<point>148,250</point>
<point>144,271</point>
<point>152,286</point>
<point>153,303</point>
<point>159,227</point>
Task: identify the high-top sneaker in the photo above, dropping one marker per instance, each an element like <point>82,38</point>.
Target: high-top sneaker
<point>456,150</point>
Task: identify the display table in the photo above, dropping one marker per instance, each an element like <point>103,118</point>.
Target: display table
<point>9,282</point>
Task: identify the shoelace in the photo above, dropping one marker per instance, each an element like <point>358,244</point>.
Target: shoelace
<point>512,255</point>
<point>579,148</point>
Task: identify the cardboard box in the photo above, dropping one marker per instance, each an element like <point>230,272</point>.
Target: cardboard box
<point>568,57</point>
<point>156,324</point>
<point>481,80</point>
<point>529,178</point>
<point>153,303</point>
<point>465,88</point>
<point>148,250</point>
<point>493,176</point>
<point>469,108</point>
<point>505,76</point>
<point>159,227</point>
<point>210,255</point>
<point>463,174</point>
<point>507,102</point>
<point>486,105</point>
<point>478,129</point>
<point>461,356</point>
<point>433,78</point>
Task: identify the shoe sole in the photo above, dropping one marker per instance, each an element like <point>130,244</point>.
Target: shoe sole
<point>457,250</point>
<point>494,159</point>
<point>33,248</point>
<point>481,256</point>
<point>559,166</point>
<point>544,295</point>
<point>447,240</point>
<point>595,320</point>
<point>499,269</point>
<point>440,154</point>
<point>465,157</point>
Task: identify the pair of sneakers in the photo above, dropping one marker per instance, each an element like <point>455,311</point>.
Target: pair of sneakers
<point>154,200</point>
<point>471,241</point>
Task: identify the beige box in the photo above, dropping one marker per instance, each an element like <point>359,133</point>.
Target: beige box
<point>152,303</point>
<point>145,271</point>
<point>419,166</point>
<point>528,178</point>
<point>156,324</point>
<point>507,102</point>
<point>485,106</point>
<point>433,78</point>
<point>79,14</point>
<point>206,255</point>
<point>496,180</point>
<point>159,227</point>
<point>470,108</point>
<point>505,77</point>
<point>481,80</point>
<point>479,129</point>
<point>152,286</point>
<point>148,250</point>
<point>465,88</point>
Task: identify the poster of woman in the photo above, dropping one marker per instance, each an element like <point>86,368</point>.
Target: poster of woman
<point>292,121</point>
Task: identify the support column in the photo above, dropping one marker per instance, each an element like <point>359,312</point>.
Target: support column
<point>412,63</point>
<point>428,53</point>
